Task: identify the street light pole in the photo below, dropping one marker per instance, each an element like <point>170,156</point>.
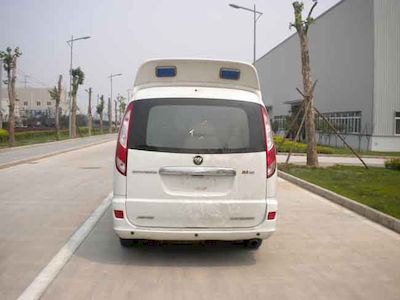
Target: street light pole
<point>255,35</point>
<point>256,16</point>
<point>71,46</point>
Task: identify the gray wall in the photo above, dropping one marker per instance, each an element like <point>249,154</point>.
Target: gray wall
<point>342,59</point>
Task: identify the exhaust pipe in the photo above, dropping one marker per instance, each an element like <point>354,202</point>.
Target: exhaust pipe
<point>253,243</point>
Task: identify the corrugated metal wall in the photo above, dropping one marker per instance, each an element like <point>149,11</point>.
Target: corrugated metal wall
<point>342,59</point>
<point>387,74</point>
<point>387,65</point>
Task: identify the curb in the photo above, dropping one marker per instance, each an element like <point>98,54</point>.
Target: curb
<point>361,209</point>
<point>30,159</point>
<point>341,155</point>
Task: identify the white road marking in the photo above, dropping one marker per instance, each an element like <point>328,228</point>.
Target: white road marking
<point>39,285</point>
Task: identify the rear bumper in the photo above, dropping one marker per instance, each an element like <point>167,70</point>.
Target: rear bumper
<point>125,230</point>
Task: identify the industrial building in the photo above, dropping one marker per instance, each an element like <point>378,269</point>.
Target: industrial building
<point>355,58</point>
<point>32,103</point>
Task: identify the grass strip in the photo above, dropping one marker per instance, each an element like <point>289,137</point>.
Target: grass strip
<point>378,188</point>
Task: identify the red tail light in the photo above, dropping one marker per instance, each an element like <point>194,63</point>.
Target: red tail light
<point>269,144</point>
<point>119,214</point>
<point>121,155</point>
<point>271,215</point>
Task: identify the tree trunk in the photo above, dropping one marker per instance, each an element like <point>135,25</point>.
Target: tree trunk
<point>90,122</point>
<point>115,115</point>
<point>109,115</point>
<point>73,117</point>
<point>57,113</point>
<point>101,123</point>
<point>90,125</point>
<point>57,120</point>
<point>12,98</point>
<point>312,155</point>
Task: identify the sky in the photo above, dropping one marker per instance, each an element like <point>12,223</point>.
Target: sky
<point>125,33</point>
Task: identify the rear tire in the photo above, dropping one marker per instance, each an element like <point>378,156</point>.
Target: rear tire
<point>126,243</point>
<point>253,244</point>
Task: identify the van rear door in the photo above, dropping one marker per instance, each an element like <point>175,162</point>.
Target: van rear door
<point>196,163</point>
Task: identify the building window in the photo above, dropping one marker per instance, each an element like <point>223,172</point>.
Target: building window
<point>344,122</point>
<point>25,103</point>
<point>48,103</point>
<point>279,123</point>
<point>397,121</point>
<point>38,103</point>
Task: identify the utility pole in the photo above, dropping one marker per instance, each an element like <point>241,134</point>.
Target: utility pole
<point>111,98</point>
<point>129,94</point>
<point>1,93</point>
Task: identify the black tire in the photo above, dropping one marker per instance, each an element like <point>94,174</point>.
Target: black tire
<point>126,243</point>
<point>253,244</point>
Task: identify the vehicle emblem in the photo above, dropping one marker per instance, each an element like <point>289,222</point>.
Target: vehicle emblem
<point>197,160</point>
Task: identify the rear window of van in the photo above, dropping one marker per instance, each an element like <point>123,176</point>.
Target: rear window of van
<point>196,126</point>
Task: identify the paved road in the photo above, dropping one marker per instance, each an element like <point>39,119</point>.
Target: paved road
<point>11,155</point>
<point>42,204</point>
<point>320,251</point>
<point>332,160</point>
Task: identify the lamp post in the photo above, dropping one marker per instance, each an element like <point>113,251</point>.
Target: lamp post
<point>256,16</point>
<point>111,92</point>
<point>71,46</point>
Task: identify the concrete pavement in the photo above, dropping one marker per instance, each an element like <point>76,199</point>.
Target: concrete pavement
<point>42,203</point>
<point>320,251</point>
<point>9,156</point>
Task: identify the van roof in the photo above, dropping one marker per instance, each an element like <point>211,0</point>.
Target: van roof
<point>197,72</point>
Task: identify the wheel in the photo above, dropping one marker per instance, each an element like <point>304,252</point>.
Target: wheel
<point>253,244</point>
<point>126,242</point>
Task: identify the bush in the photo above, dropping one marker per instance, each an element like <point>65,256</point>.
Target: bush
<point>3,136</point>
<point>393,163</point>
<point>297,147</point>
<point>50,133</point>
<point>324,150</point>
<point>278,139</point>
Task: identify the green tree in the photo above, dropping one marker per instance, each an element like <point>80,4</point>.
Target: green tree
<point>9,58</point>
<point>121,106</point>
<point>55,94</point>
<point>77,79</point>
<point>99,110</point>
<point>302,27</point>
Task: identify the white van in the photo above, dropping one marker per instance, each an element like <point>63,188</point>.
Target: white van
<point>195,158</point>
